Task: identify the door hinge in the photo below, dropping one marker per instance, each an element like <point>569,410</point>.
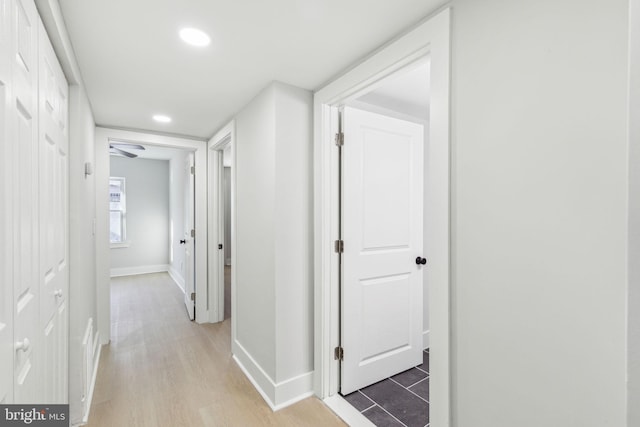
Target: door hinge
<point>193,233</point>
<point>193,296</point>
<point>193,170</point>
<point>339,139</point>
<point>338,353</point>
<point>339,246</point>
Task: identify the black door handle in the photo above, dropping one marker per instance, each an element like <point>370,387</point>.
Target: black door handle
<point>182,242</point>
<point>421,261</point>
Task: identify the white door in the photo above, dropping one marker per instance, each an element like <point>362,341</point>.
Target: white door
<point>6,233</point>
<point>54,227</point>
<point>382,202</point>
<point>189,241</point>
<point>26,292</point>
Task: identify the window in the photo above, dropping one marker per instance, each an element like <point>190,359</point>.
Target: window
<point>117,210</point>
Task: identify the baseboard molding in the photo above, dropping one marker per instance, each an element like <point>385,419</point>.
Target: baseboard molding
<point>96,364</point>
<point>177,278</point>
<point>143,269</point>
<point>425,340</point>
<point>277,395</point>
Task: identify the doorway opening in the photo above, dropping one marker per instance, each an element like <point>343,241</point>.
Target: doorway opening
<point>196,151</point>
<point>384,278</point>
<point>221,180</point>
<point>360,89</point>
<point>151,212</point>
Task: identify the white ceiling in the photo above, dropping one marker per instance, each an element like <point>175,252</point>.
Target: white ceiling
<point>155,152</point>
<point>134,65</point>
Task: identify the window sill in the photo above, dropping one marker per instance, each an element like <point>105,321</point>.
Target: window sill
<point>120,245</point>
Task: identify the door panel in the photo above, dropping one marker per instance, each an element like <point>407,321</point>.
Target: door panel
<point>53,201</point>
<point>6,233</point>
<point>25,213</point>
<point>382,232</point>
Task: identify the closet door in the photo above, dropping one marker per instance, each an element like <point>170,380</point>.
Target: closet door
<point>6,233</point>
<point>26,292</point>
<point>54,213</point>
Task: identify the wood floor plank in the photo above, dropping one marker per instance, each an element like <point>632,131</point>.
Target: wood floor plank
<point>161,369</point>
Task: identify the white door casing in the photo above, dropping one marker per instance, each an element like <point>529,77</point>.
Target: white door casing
<point>6,233</point>
<point>222,140</point>
<point>382,232</point>
<point>189,245</point>
<point>220,264</point>
<point>430,37</point>
<point>25,203</point>
<point>54,225</point>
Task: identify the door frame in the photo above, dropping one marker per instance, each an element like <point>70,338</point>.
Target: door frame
<point>430,38</point>
<point>103,248</point>
<point>225,137</point>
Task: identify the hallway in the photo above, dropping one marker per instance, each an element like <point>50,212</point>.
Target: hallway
<point>163,370</point>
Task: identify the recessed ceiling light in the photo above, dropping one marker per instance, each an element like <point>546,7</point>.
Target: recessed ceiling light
<point>161,118</point>
<point>195,37</point>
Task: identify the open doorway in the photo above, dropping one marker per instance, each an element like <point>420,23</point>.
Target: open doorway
<point>151,212</point>
<point>359,89</point>
<point>222,225</point>
<point>385,276</point>
<point>197,150</point>
<point>226,213</point>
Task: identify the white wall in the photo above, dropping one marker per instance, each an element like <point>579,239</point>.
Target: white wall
<point>274,339</point>
<point>147,213</point>
<point>633,322</point>
<point>539,212</point>
<point>176,217</point>
<point>82,249</point>
<point>103,253</point>
<point>255,236</point>
<point>294,231</point>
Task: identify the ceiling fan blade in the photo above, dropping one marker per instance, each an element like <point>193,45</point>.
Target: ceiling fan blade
<point>124,145</point>
<point>123,153</point>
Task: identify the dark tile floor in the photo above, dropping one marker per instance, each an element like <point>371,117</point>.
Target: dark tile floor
<point>402,400</point>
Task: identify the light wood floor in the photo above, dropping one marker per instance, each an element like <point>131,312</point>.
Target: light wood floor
<point>163,370</point>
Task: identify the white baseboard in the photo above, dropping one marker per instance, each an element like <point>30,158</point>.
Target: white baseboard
<point>425,340</point>
<point>177,278</point>
<point>277,395</point>
<point>143,269</point>
<point>96,364</point>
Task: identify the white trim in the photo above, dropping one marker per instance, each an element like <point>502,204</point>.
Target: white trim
<point>346,412</point>
<point>177,278</point>
<point>429,38</point>
<point>119,245</point>
<point>276,395</point>
<point>198,147</point>
<point>225,137</point>
<point>143,269</point>
<point>96,364</point>
<point>425,340</point>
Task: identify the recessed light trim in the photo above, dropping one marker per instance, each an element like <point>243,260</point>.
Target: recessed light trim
<point>161,118</point>
<point>195,37</point>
